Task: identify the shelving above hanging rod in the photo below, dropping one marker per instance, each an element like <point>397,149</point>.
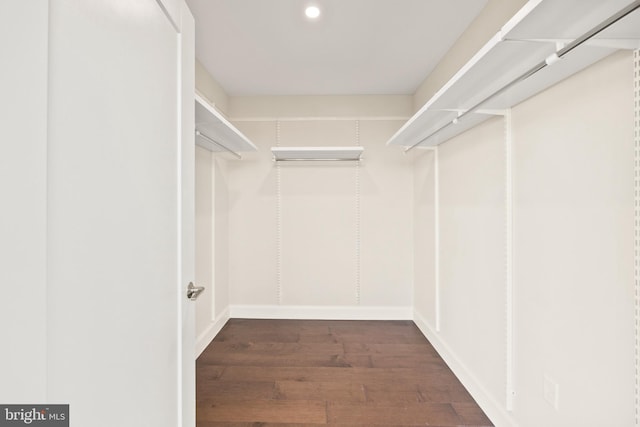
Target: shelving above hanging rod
<point>217,134</point>
<point>529,54</point>
<point>310,154</point>
<point>216,143</point>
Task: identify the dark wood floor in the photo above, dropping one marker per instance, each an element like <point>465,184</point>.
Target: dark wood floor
<point>308,372</point>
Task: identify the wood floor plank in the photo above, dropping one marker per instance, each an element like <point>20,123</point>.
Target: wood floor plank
<point>208,372</point>
<point>275,373</point>
<point>256,336</point>
<point>327,374</point>
<point>380,338</point>
<point>283,360</point>
<point>390,349</point>
<point>217,391</point>
<point>454,395</point>
<point>251,326</point>
<point>278,348</point>
<point>327,391</point>
<point>223,424</point>
<point>409,361</point>
<point>264,411</point>
<point>405,414</point>
<point>386,397</point>
<point>470,414</point>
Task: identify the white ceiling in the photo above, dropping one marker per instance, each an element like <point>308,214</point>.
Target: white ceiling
<point>268,47</point>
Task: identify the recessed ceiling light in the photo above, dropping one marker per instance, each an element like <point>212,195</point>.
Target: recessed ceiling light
<point>312,12</point>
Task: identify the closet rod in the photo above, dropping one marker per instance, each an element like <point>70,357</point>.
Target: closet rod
<point>213,141</point>
<point>548,61</point>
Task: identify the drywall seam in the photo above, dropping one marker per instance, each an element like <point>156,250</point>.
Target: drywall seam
<point>508,145</point>
<point>278,222</point>
<point>636,73</point>
<point>358,231</point>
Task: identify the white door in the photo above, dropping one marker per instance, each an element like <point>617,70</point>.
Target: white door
<point>23,200</point>
<point>119,213</point>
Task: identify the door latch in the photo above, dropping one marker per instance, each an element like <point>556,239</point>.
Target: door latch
<point>193,292</point>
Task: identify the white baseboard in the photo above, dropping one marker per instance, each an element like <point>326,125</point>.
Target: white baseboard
<point>320,312</point>
<point>494,410</point>
<point>204,339</point>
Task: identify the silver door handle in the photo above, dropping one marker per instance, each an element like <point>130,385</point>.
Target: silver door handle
<point>193,292</point>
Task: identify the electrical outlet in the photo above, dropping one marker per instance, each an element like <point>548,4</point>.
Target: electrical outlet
<point>551,391</point>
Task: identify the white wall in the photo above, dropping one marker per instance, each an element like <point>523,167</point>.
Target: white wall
<point>252,246</point>
<point>472,251</point>
<point>221,237</point>
<point>320,239</point>
<point>573,168</point>
<point>386,188</point>
<point>204,208</point>
<point>425,296</point>
<point>210,89</point>
<point>212,307</point>
<point>471,293</point>
<point>329,106</point>
<point>573,254</point>
<point>319,220</point>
